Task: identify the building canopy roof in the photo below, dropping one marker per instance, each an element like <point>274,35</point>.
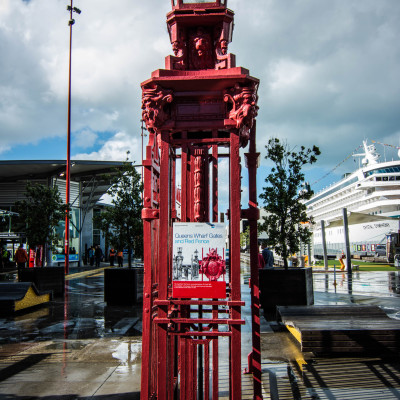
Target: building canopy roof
<point>89,173</point>
<point>360,218</point>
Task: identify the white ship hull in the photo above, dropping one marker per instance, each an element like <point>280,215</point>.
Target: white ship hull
<point>364,238</point>
<point>372,191</point>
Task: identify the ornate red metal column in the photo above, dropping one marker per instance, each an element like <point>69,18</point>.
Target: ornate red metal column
<point>234,224</point>
<point>252,215</point>
<point>200,103</point>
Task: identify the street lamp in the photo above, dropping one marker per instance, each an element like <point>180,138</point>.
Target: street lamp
<point>71,22</point>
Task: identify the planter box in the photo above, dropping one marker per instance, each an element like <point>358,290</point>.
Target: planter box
<point>279,287</point>
<point>123,286</point>
<point>45,278</point>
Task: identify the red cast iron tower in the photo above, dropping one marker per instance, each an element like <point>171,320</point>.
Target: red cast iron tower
<point>199,109</point>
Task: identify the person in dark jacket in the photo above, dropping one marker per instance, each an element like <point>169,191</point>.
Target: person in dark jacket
<point>91,256</point>
<point>113,253</point>
<point>21,257</point>
<point>98,255</point>
<point>5,257</point>
<point>120,258</point>
<point>268,256</point>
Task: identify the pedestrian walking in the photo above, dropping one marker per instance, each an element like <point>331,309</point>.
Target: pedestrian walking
<point>112,255</point>
<point>268,256</point>
<point>98,255</point>
<point>5,257</point>
<point>120,258</point>
<point>341,258</point>
<point>91,256</point>
<point>21,257</point>
<point>261,262</point>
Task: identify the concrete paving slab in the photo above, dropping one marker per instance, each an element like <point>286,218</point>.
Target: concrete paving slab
<point>86,368</point>
<point>44,389</point>
<point>118,382</point>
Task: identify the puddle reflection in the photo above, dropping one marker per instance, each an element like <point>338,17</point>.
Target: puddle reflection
<point>128,352</point>
<point>382,284</point>
<point>81,314</point>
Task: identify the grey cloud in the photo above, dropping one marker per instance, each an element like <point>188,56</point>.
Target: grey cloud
<point>350,53</point>
<point>329,69</point>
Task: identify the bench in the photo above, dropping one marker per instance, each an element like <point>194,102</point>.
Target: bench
<point>16,296</point>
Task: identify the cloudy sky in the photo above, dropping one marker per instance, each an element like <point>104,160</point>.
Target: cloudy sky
<point>329,71</point>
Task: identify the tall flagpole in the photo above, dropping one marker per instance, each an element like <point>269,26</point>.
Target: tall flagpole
<point>71,22</point>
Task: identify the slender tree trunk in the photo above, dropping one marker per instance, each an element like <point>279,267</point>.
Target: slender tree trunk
<point>129,256</point>
<point>129,248</point>
<point>284,247</point>
<point>285,258</point>
<point>106,245</point>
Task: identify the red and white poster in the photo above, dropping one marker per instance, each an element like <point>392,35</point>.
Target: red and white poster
<point>32,258</point>
<point>199,267</point>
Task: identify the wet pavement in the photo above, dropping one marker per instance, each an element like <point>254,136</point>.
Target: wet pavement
<point>82,349</point>
<point>74,349</point>
<point>370,288</point>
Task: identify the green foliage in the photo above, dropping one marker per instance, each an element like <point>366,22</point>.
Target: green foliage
<point>284,197</point>
<point>4,223</point>
<point>40,213</point>
<point>245,238</point>
<point>121,223</point>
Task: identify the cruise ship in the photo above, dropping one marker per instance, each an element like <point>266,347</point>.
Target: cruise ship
<point>371,196</point>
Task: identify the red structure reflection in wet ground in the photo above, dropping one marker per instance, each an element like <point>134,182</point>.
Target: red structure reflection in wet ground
<point>96,352</point>
<point>83,315</point>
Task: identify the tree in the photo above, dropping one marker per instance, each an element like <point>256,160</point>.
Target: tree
<point>40,213</point>
<point>245,238</point>
<point>284,198</point>
<point>121,223</point>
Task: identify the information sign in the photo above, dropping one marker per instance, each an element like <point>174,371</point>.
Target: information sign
<point>199,260</point>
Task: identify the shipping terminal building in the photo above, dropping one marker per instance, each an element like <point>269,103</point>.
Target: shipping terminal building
<point>89,182</point>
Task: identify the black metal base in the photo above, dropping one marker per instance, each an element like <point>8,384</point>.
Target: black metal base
<point>123,286</point>
<point>280,287</point>
<point>44,278</point>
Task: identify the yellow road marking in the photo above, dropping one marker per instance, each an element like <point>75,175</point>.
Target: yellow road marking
<point>92,272</point>
<point>294,332</point>
<point>301,362</point>
<point>31,299</point>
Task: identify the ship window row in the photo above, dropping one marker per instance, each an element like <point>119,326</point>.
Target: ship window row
<point>344,199</point>
<point>387,178</point>
<point>333,212</point>
<point>387,170</point>
<point>333,190</point>
<point>337,211</point>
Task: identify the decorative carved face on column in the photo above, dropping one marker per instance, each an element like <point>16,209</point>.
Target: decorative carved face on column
<point>179,49</point>
<point>154,100</point>
<point>176,48</point>
<point>178,45</point>
<point>224,47</point>
<point>244,108</point>
<point>201,54</point>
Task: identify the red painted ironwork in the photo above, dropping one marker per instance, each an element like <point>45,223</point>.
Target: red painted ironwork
<point>252,214</point>
<point>199,187</point>
<point>212,265</point>
<point>200,103</point>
